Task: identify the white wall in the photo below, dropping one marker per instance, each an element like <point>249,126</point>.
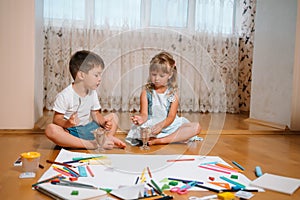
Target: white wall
<point>39,65</point>
<point>273,61</point>
<point>19,44</point>
<point>295,118</point>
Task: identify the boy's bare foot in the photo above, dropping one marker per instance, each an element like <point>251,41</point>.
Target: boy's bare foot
<point>118,142</point>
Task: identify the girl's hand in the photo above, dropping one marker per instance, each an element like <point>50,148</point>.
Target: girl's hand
<point>73,120</point>
<point>157,128</point>
<point>137,119</point>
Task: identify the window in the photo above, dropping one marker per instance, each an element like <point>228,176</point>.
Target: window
<point>171,13</point>
<point>194,15</point>
<point>64,9</point>
<point>118,13</point>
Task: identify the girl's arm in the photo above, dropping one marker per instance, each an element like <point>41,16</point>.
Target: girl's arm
<point>59,120</point>
<point>170,118</point>
<point>143,116</point>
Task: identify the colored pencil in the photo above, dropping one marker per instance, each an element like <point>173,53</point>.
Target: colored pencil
<point>45,181</point>
<point>217,170</point>
<point>229,167</point>
<point>58,163</point>
<point>184,180</point>
<point>62,171</point>
<point>183,159</point>
<point>71,171</point>
<point>90,171</point>
<point>150,175</point>
<point>156,186</point>
<point>238,165</point>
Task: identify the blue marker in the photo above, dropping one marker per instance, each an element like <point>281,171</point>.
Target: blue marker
<point>82,171</point>
<point>238,165</point>
<point>258,171</point>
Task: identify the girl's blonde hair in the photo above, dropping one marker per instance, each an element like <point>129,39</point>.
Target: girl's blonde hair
<point>164,61</point>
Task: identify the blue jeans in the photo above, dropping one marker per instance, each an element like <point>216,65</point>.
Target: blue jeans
<point>84,132</point>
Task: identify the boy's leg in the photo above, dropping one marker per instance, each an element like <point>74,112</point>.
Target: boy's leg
<point>182,134</point>
<point>111,134</point>
<point>61,137</point>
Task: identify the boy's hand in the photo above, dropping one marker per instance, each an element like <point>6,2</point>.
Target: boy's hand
<point>108,124</point>
<point>74,120</point>
<point>108,144</point>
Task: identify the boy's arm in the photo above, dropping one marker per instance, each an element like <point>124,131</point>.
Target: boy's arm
<point>97,117</point>
<point>58,119</point>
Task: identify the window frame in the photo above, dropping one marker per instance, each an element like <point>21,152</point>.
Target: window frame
<point>145,17</point>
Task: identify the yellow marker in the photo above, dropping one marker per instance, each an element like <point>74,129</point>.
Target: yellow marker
<point>226,196</point>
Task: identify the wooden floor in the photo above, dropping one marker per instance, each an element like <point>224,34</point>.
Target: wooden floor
<point>228,136</point>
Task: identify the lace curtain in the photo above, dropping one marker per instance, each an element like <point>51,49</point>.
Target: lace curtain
<point>206,52</point>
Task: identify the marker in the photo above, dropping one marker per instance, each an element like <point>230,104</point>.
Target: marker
<point>258,171</point>
<point>238,165</point>
<point>184,159</point>
<point>208,188</point>
<point>241,189</point>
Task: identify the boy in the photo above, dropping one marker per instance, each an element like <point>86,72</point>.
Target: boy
<point>78,103</point>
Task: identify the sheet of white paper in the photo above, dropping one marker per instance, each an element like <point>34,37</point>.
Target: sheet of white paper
<point>277,183</point>
<point>125,168</point>
<point>129,192</point>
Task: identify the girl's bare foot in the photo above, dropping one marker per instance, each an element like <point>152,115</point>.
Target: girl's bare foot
<point>155,141</point>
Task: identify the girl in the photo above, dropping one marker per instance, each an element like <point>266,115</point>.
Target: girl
<point>158,106</point>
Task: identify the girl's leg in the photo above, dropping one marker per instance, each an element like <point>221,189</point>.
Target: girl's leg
<point>115,120</point>
<point>184,133</point>
<point>61,137</point>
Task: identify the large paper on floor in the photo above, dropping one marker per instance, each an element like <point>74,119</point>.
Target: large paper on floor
<point>277,183</point>
<point>124,169</point>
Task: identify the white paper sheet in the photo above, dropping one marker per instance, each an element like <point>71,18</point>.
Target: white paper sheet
<point>125,168</point>
<point>277,183</point>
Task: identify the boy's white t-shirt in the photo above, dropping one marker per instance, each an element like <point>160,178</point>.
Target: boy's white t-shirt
<point>68,101</point>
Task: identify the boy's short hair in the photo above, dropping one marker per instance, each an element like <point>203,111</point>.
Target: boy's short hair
<point>84,61</point>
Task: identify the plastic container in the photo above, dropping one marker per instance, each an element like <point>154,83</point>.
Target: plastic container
<point>30,161</point>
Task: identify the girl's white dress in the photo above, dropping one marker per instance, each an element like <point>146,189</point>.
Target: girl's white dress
<point>158,112</point>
